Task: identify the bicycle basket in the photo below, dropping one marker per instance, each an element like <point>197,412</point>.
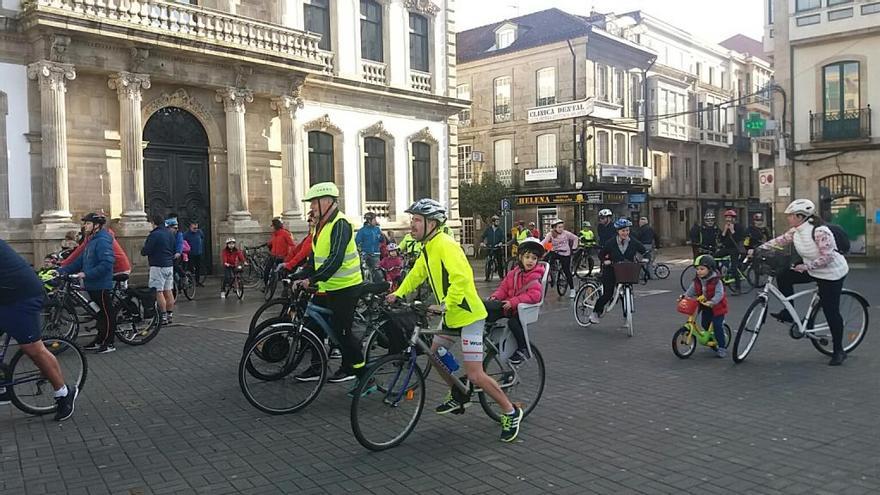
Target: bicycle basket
<point>687,306</point>
<point>627,272</point>
<point>398,327</point>
<point>773,264</point>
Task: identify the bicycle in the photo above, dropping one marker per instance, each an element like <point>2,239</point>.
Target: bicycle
<point>626,274</point>
<point>493,257</point>
<point>557,277</point>
<point>30,391</point>
<point>853,310</point>
<point>236,285</point>
<point>184,281</point>
<point>661,271</point>
<point>724,266</point>
<point>396,383</point>
<point>583,262</point>
<point>686,338</point>
<point>256,259</point>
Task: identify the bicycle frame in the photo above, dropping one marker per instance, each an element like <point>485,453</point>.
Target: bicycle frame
<point>771,289</point>
<point>704,336</point>
<point>9,382</point>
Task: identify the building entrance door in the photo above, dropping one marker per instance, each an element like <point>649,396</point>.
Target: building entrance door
<point>842,201</point>
<point>176,174</point>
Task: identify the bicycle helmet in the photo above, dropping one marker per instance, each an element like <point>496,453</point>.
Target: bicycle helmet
<point>171,222</point>
<point>531,245</point>
<point>555,222</point>
<point>730,213</point>
<point>803,207</point>
<point>392,247</point>
<point>428,208</point>
<point>605,212</point>
<point>97,218</point>
<point>369,216</point>
<point>623,223</point>
<point>586,225</point>
<point>758,217</point>
<point>230,239</point>
<point>322,190</point>
<point>706,260</point>
<point>710,215</point>
<point>495,217</point>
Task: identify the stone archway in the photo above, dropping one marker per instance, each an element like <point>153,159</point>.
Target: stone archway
<point>182,99</point>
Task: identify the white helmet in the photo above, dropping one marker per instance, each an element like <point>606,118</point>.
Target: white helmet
<point>801,207</point>
<point>605,212</point>
<point>230,239</point>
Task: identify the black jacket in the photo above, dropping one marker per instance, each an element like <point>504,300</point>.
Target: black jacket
<point>611,251</point>
<point>733,242</point>
<point>606,233</point>
<point>340,236</point>
<point>646,235</point>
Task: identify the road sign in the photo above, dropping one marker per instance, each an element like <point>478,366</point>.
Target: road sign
<point>505,204</point>
<point>755,124</point>
<point>766,182</point>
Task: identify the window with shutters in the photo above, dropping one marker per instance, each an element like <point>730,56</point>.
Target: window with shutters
<point>602,151</point>
<point>320,157</point>
<point>547,150</point>
<point>619,149</point>
<point>372,43</point>
<point>317,20</point>
<point>375,171</point>
<point>546,86</point>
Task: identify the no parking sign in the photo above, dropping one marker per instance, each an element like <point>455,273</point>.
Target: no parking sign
<point>766,180</point>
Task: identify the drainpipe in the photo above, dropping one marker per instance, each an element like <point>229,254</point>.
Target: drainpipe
<point>574,133</point>
<point>645,106</point>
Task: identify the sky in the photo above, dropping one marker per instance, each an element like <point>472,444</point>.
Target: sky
<point>709,20</point>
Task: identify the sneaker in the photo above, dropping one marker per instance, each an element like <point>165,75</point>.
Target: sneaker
<point>309,375</point>
<point>450,405</point>
<point>164,319</point>
<point>369,389</point>
<point>94,346</point>
<point>65,404</point>
<point>721,352</point>
<point>5,397</point>
<point>335,353</point>
<point>783,316</point>
<point>106,349</point>
<point>222,294</point>
<point>510,424</point>
<point>837,359</point>
<point>518,357</point>
<point>594,318</point>
<point>571,294</point>
<point>170,317</point>
<point>341,376</point>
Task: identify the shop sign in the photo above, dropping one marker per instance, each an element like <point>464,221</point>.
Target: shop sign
<point>551,199</point>
<point>614,198</point>
<point>541,173</point>
<point>594,197</point>
<point>561,111</point>
<point>625,171</point>
<point>638,197</point>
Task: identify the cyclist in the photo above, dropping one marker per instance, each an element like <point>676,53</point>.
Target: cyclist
<point>533,231</point>
<point>606,228</point>
<point>232,258</point>
<point>707,285</point>
<point>302,252</point>
<point>336,270</point>
<point>822,264</point>
<point>648,237</point>
<point>196,239</point>
<point>280,246</point>
<point>409,246</point>
<point>731,244</point>
<point>121,263</point>
<point>172,226</point>
<point>445,266</point>
<point>368,240</point>
<point>392,265</point>
<point>587,239</point>
<point>493,237</point>
<point>563,245</point>
<point>21,302</point>
<point>95,267</point>
<point>621,248</point>
<point>704,238</point>
<point>159,250</point>
<point>756,234</point>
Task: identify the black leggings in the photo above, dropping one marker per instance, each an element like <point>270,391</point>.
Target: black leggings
<point>829,299</point>
<point>106,321</point>
<point>565,262</point>
<point>342,303</point>
<point>609,285</point>
<point>496,313</point>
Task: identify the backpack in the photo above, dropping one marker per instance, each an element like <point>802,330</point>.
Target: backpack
<point>840,237</point>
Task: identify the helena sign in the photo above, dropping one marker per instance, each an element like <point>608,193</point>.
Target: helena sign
<point>588,197</point>
<point>561,111</point>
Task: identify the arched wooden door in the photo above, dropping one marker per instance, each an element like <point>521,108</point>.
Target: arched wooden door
<point>176,174</point>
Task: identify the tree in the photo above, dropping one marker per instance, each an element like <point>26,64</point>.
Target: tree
<point>482,199</point>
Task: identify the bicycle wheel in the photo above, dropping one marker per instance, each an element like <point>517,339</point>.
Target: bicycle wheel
<point>388,402</point>
<point>561,283</point>
<point>376,347</point>
<point>585,301</point>
<point>629,308</point>
<point>523,384</point>
<point>749,328</point>
<point>661,271</point>
<point>132,327</point>
<point>853,310</point>
<point>276,308</point>
<point>60,320</point>
<point>727,335</point>
<point>239,288</point>
<point>188,284</point>
<point>687,276</point>
<point>683,343</point>
<point>252,275</point>
<point>30,391</point>
<point>644,275</point>
<point>583,267</point>
<point>490,267</point>
<point>271,286</point>
<point>268,369</point>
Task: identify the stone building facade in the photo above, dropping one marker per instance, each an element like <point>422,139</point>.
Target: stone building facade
<point>224,112</point>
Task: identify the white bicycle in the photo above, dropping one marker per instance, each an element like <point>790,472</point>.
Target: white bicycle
<point>626,274</point>
<point>853,310</point>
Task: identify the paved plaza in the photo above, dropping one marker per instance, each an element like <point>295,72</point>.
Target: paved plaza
<point>619,415</point>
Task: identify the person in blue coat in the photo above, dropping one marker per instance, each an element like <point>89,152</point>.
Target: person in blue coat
<point>369,240</point>
<point>196,239</point>
<point>95,268</point>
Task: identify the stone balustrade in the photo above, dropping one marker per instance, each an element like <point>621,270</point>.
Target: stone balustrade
<point>420,81</point>
<point>381,209</point>
<point>189,22</point>
<point>374,72</point>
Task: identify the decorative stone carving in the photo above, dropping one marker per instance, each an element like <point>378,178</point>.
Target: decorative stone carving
<point>376,130</point>
<point>296,85</point>
<point>425,136</point>
<point>322,124</point>
<point>58,50</point>
<point>426,7</point>
<point>129,85</point>
<point>243,74</point>
<point>182,99</point>
<point>233,99</point>
<point>51,75</point>
<point>138,57</point>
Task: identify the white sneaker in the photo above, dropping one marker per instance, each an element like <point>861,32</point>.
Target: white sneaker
<point>594,318</point>
<point>222,295</point>
<point>571,294</point>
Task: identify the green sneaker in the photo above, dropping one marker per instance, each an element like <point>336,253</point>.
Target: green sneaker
<point>450,405</point>
<point>510,424</point>
<point>369,389</point>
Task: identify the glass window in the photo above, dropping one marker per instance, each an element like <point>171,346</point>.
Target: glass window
<point>808,20</point>
<point>635,151</point>
<point>836,15</point>
<point>601,85</point>
<point>803,5</point>
<point>873,8</point>
<point>464,93</point>
<point>546,83</point>
<point>716,177</point>
<point>504,160</point>
<point>421,170</point>
<point>710,116</point>
<point>704,172</point>
<point>687,169</point>
<point>317,20</point>
<point>371,31</point>
<point>547,150</point>
<point>635,94</point>
<point>320,157</point>
<point>465,164</point>
<point>838,2</point>
<point>728,178</point>
<point>418,42</point>
<point>602,152</point>
<point>619,149</point>
<point>619,83</point>
<point>770,11</point>
<point>502,99</point>
<point>504,38</point>
<point>841,83</point>
<point>374,170</point>
<point>673,162</point>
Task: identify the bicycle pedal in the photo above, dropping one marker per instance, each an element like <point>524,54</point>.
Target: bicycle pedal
<point>795,332</point>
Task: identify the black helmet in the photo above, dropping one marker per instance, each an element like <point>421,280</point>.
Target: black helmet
<point>95,217</point>
<point>277,223</point>
<point>369,216</point>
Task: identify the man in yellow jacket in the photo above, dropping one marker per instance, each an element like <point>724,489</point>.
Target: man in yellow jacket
<point>445,266</point>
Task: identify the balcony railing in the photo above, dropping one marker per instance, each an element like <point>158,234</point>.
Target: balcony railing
<point>420,81</point>
<point>181,25</point>
<point>374,72</point>
<point>381,209</point>
<point>840,126</point>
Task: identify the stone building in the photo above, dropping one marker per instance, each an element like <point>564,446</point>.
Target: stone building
<point>223,111</point>
<point>826,56</point>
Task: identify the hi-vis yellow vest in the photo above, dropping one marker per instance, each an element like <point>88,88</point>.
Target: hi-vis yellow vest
<point>349,274</point>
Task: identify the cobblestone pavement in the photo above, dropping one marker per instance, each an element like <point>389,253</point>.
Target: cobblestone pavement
<point>619,415</point>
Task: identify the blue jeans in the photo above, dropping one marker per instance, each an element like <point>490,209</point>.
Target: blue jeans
<point>708,318</point>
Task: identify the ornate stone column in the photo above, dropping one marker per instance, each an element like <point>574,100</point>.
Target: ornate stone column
<point>234,100</point>
<point>286,106</point>
<point>129,85</point>
<point>52,77</point>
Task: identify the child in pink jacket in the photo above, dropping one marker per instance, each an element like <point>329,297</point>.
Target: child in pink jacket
<point>522,285</point>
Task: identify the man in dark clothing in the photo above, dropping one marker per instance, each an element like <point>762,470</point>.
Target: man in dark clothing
<point>757,233</point>
<point>196,239</point>
<point>493,238</point>
<point>21,302</point>
<point>159,248</point>
<point>646,235</point>
<point>731,244</point>
<point>704,238</point>
<point>605,229</point>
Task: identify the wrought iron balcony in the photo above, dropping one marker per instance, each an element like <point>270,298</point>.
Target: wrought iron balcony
<point>840,126</point>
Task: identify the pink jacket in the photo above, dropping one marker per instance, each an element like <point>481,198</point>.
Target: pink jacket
<point>521,287</point>
<point>563,243</point>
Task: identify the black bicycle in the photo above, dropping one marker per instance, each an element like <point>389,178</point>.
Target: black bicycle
<point>557,277</point>
<point>494,254</point>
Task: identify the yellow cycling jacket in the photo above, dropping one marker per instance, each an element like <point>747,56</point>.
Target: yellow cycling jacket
<point>451,277</point>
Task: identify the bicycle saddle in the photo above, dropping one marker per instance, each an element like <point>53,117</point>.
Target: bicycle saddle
<point>375,288</point>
